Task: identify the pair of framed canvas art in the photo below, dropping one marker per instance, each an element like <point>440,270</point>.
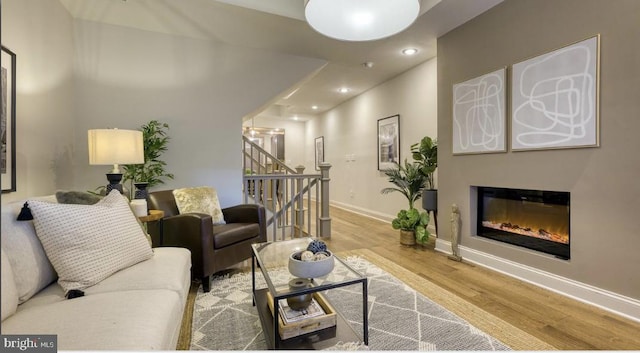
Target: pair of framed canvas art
<point>553,103</point>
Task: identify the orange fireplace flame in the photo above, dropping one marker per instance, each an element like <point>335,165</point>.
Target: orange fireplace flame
<point>534,219</point>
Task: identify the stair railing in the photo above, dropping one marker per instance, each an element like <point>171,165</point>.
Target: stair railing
<point>258,161</point>
<point>297,204</point>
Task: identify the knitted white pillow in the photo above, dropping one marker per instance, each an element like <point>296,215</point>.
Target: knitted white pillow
<point>9,295</point>
<point>31,268</point>
<point>201,199</point>
<point>88,243</point>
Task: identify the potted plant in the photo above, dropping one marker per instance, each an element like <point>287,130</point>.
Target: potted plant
<point>425,154</point>
<point>409,181</point>
<point>152,172</point>
<point>413,226</point>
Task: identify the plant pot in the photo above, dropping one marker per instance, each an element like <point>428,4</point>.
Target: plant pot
<point>407,237</point>
<point>430,199</point>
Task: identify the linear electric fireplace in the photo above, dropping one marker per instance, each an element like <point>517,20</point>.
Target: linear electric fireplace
<point>534,219</point>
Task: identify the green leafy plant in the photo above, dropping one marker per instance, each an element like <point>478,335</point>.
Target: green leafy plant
<point>413,220</point>
<point>155,140</point>
<point>408,180</point>
<point>425,154</point>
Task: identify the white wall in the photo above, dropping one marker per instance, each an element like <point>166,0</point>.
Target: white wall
<point>294,140</point>
<point>351,128</point>
<point>40,33</point>
<point>75,75</point>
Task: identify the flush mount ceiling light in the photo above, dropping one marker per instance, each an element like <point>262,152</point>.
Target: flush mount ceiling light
<point>360,20</point>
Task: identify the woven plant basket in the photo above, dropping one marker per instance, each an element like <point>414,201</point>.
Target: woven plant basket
<point>407,237</point>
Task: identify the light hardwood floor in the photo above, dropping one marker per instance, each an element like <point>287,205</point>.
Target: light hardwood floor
<point>557,320</point>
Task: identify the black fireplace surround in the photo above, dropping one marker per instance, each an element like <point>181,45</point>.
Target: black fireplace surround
<point>534,219</point>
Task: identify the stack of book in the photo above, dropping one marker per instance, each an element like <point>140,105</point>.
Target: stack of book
<point>291,323</point>
<point>289,315</point>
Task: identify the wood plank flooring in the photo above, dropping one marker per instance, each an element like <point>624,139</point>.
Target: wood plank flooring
<point>557,320</point>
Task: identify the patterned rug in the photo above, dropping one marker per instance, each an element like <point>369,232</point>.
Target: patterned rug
<point>399,317</point>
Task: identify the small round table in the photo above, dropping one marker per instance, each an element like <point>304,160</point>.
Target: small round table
<point>153,216</point>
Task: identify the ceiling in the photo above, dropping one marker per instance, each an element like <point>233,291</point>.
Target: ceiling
<point>279,25</point>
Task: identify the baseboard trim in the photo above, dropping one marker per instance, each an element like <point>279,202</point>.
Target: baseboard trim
<point>604,299</point>
<point>371,214</point>
<point>362,211</point>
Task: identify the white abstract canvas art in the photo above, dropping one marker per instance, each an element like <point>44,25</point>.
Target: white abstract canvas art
<point>554,99</point>
<point>479,114</point>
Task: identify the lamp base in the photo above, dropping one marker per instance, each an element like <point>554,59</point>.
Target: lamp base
<point>141,190</point>
<point>114,182</point>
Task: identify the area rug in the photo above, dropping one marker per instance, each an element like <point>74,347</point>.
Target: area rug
<point>400,318</point>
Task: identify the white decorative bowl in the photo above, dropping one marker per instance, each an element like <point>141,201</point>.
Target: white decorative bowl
<point>311,269</point>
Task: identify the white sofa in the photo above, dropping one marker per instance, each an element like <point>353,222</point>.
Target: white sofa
<point>136,308</point>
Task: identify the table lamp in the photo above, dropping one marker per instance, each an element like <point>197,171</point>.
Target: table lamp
<point>113,147</point>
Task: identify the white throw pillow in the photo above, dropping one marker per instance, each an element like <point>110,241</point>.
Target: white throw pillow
<point>31,267</point>
<point>201,199</point>
<point>9,290</point>
<point>88,243</point>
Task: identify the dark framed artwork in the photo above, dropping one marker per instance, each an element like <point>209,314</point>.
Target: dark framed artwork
<point>388,142</point>
<point>8,121</point>
<point>319,151</point>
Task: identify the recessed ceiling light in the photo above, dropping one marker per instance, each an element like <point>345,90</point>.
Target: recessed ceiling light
<point>314,107</point>
<point>295,117</point>
<point>343,90</point>
<point>410,51</point>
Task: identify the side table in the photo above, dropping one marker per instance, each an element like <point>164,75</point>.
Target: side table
<point>154,216</point>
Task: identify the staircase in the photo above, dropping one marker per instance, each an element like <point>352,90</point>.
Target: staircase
<point>297,204</point>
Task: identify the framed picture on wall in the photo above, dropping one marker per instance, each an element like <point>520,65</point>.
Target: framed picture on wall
<point>388,142</point>
<point>319,151</point>
<point>479,114</point>
<point>554,98</point>
<point>8,121</point>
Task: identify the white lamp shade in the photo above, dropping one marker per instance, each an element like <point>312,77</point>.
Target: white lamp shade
<point>115,146</point>
<point>361,20</point>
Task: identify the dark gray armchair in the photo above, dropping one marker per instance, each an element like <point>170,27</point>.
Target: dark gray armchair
<point>213,247</point>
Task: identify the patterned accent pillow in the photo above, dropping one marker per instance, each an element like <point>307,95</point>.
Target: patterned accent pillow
<point>88,243</point>
<point>201,199</point>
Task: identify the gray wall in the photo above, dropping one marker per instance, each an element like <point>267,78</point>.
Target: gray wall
<point>202,89</point>
<point>603,181</point>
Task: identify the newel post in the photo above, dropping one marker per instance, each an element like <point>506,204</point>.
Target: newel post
<point>325,219</point>
<point>298,225</point>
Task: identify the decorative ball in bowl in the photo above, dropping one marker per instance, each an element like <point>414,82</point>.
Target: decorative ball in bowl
<point>314,262</point>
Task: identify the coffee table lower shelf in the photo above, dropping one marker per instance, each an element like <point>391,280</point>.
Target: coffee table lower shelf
<point>321,339</point>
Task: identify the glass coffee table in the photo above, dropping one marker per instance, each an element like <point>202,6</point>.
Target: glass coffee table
<point>271,258</point>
